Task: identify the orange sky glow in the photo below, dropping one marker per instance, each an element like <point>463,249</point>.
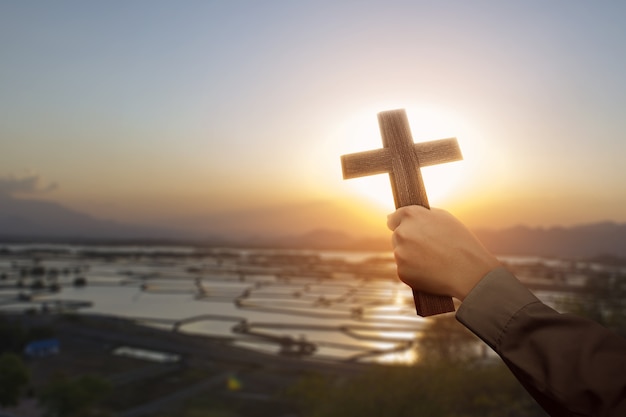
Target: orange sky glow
<point>163,113</point>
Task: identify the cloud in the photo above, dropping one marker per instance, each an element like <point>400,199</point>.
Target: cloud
<point>26,184</point>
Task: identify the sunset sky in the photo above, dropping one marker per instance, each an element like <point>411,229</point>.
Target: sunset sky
<point>150,111</point>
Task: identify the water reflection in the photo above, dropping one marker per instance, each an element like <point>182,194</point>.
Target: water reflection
<point>329,305</point>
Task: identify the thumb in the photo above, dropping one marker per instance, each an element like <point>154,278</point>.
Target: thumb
<point>393,220</point>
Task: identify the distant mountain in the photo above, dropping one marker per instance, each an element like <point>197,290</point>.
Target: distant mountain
<point>329,239</point>
<point>314,225</point>
<point>287,221</point>
<point>583,241</point>
<point>578,242</point>
<point>297,225</point>
<point>37,219</point>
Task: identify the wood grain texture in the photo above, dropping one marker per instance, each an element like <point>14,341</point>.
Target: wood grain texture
<point>378,161</point>
<point>402,159</point>
<point>359,164</point>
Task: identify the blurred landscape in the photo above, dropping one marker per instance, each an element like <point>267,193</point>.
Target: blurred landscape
<point>105,319</point>
<point>176,238</point>
<point>286,227</point>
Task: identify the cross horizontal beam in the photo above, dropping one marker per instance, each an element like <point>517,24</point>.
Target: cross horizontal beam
<point>378,161</point>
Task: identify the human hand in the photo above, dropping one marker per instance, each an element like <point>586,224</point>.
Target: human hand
<point>435,253</point>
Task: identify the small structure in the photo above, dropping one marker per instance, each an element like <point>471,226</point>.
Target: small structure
<point>42,348</point>
<point>147,354</point>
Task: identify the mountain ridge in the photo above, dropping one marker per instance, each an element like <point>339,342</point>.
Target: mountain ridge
<point>579,241</point>
<point>37,220</point>
<point>22,218</point>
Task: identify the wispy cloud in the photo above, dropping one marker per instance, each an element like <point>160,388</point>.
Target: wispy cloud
<point>11,185</point>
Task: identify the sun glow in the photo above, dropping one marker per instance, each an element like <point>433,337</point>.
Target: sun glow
<point>427,123</point>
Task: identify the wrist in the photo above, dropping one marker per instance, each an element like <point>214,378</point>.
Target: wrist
<point>472,280</point>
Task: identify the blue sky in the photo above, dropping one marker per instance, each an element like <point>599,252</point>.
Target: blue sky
<point>147,110</point>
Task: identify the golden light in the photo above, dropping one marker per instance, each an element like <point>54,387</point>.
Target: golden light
<point>427,123</point>
<point>408,356</point>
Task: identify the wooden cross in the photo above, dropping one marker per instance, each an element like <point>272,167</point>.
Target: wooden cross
<point>402,159</point>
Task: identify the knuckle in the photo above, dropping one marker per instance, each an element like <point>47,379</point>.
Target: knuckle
<point>411,211</point>
<point>401,235</point>
<point>401,258</point>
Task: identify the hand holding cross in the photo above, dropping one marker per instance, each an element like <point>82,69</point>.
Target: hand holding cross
<point>402,159</point>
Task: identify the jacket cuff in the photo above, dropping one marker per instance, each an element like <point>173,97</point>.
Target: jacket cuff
<point>492,303</point>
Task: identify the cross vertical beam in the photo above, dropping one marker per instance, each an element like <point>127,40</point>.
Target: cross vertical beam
<point>402,159</point>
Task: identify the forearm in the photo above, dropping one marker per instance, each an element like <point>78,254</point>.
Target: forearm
<point>572,366</point>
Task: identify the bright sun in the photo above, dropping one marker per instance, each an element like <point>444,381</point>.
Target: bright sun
<point>427,123</point>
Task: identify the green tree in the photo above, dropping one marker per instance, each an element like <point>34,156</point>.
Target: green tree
<point>604,300</point>
<point>14,377</point>
<point>440,390</point>
<point>11,336</point>
<point>74,397</point>
<point>446,340</point>
<point>453,378</point>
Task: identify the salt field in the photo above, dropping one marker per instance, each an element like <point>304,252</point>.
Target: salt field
<point>327,305</point>
<point>334,305</point>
